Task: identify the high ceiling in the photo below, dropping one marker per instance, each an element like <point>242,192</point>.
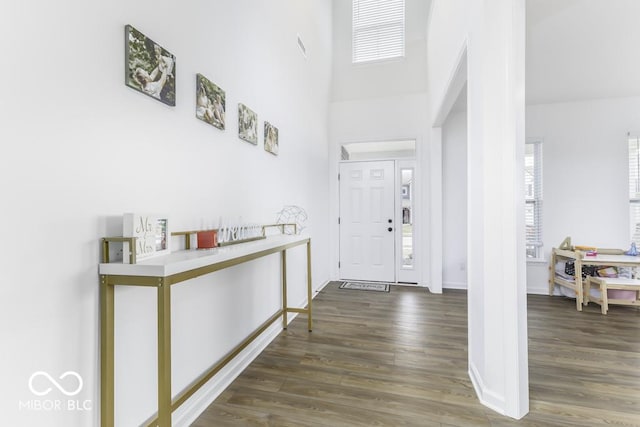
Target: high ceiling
<point>582,49</point>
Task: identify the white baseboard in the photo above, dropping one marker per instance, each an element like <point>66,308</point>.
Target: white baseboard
<point>326,282</point>
<point>454,285</point>
<point>487,397</point>
<point>190,410</point>
<point>425,284</point>
<point>538,290</point>
<point>533,290</point>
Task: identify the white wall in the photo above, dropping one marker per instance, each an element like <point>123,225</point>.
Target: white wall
<point>448,30</point>
<point>81,149</point>
<point>581,50</point>
<point>454,180</point>
<point>389,118</point>
<point>585,174</point>
<point>381,79</point>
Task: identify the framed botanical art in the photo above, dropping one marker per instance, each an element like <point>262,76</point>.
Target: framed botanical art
<point>151,233</point>
<point>271,138</point>
<point>247,124</point>
<point>149,68</point>
<point>210,102</point>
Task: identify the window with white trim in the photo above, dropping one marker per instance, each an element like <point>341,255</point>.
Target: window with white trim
<point>634,189</point>
<point>533,198</point>
<point>377,30</point>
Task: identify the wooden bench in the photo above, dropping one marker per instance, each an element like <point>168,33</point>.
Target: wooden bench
<point>606,283</point>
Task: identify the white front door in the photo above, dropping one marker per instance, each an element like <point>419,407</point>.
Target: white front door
<point>367,221</point>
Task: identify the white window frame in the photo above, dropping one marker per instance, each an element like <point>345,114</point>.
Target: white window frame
<point>534,200</point>
<point>633,147</point>
<point>378,30</point>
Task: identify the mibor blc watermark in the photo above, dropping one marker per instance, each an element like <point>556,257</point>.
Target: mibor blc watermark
<point>48,393</point>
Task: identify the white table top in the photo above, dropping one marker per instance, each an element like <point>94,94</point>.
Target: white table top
<point>619,280</point>
<point>611,259</point>
<point>185,260</point>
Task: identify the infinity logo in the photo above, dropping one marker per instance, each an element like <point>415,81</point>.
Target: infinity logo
<point>55,383</point>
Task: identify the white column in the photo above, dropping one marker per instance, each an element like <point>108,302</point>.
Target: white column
<point>498,361</point>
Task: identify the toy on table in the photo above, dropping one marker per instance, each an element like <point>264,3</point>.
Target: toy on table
<point>633,251</point>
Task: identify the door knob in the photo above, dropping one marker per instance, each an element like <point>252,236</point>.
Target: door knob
<point>389,229</point>
<point>390,220</point>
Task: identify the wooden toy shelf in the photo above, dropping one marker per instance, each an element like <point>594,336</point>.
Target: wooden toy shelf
<point>580,260</point>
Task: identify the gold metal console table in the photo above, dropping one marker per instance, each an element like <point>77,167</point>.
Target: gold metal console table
<point>164,271</point>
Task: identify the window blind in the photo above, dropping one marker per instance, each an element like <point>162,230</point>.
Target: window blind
<point>634,189</point>
<point>533,198</point>
<point>377,30</point>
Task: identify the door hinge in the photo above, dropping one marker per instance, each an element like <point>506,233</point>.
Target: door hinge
<point>338,220</point>
<point>338,264</point>
<point>338,177</point>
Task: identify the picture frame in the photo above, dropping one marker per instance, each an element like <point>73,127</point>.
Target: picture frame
<point>271,143</point>
<point>149,68</point>
<point>151,232</point>
<point>210,102</point>
<point>247,124</point>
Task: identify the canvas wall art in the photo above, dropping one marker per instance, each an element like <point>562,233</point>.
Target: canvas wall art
<point>149,68</point>
<point>247,124</point>
<point>271,138</point>
<point>210,102</point>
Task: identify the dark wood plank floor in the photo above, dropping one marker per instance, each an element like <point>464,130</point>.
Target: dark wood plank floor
<point>400,359</point>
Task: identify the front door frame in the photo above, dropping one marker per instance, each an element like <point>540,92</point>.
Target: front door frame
<point>419,216</point>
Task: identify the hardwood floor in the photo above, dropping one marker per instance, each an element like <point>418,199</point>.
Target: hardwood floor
<point>400,359</point>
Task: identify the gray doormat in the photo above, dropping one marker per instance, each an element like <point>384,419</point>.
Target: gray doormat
<point>366,286</point>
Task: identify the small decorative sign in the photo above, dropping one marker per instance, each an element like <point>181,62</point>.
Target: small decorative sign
<point>151,233</point>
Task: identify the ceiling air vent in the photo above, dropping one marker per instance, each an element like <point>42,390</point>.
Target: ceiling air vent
<point>301,46</point>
